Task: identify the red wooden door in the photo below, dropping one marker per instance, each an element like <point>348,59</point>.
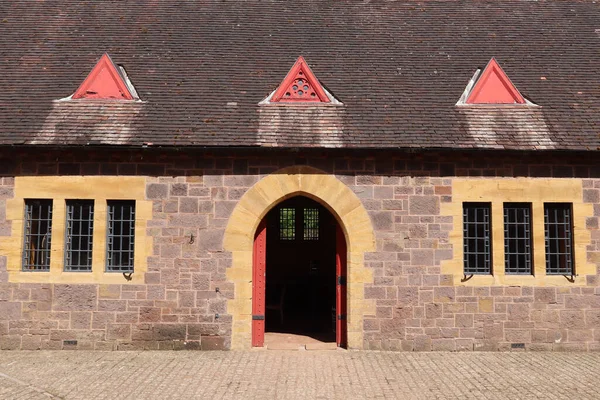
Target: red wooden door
<point>259,269</point>
<point>340,295</point>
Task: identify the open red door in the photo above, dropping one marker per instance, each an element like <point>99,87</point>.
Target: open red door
<point>340,299</point>
<point>259,269</point>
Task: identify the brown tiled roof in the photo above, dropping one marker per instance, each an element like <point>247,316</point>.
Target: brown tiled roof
<point>202,67</point>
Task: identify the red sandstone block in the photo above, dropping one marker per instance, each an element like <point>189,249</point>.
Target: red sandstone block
<point>10,311</point>
<point>8,342</point>
<point>188,205</point>
<point>572,319</point>
<point>118,331</point>
<point>127,317</point>
<point>431,280</point>
<point>20,294</point>
<point>218,193</point>
<point>188,319</point>
<point>518,312</point>
<point>569,347</point>
<point>517,335</point>
<point>29,342</point>
<point>75,297</point>
<point>580,335</point>
<point>433,311</point>
<point>156,191</point>
<point>443,345</point>
<point>192,221</point>
<point>198,191</point>
<point>422,343</point>
<point>155,292</point>
<point>152,278</point>
<point>179,189</point>
<point>408,295</point>
<point>464,344</point>
<point>391,345</point>
<point>51,345</point>
<point>186,299</point>
<point>149,314</point>
<point>6,192</point>
<point>81,319</point>
<point>463,320</point>
<point>578,302</point>
<point>485,345</point>
<point>424,205</point>
<point>591,196</point>
<point>592,319</point>
<point>112,305</point>
<point>383,192</point>
<point>240,180</point>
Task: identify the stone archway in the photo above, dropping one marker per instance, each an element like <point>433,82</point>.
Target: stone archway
<point>257,202</point>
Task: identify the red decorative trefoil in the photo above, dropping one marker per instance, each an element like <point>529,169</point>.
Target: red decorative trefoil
<point>494,87</point>
<point>300,85</point>
<point>104,82</point>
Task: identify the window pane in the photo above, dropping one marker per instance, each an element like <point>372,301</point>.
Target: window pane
<point>517,238</point>
<point>78,237</point>
<point>287,223</point>
<point>559,238</point>
<point>120,239</point>
<point>311,224</point>
<point>37,237</point>
<point>477,238</point>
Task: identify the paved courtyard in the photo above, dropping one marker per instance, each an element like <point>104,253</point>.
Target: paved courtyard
<point>298,375</point>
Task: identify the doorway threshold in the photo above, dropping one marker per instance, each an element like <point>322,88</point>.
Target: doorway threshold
<point>290,341</point>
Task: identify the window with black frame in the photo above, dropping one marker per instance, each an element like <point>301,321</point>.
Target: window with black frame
<point>517,239</point>
<point>287,223</point>
<point>79,229</point>
<point>38,235</point>
<point>311,223</point>
<point>477,246</point>
<point>558,227</point>
<point>120,232</point>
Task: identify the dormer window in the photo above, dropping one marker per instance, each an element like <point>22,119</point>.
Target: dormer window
<point>106,81</point>
<point>492,87</point>
<point>300,86</point>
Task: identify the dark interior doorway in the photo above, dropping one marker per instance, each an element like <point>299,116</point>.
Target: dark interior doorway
<point>301,270</point>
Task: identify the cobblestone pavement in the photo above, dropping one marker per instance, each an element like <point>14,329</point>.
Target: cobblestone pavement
<point>297,375</point>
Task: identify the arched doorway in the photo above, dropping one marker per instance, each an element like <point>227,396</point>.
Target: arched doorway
<point>299,275</point>
<point>241,230</point>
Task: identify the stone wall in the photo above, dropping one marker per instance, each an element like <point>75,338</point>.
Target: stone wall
<point>418,305</point>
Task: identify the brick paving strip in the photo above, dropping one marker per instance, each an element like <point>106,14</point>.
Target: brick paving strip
<point>297,375</point>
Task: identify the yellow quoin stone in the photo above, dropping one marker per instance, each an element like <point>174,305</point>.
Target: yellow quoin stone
<point>254,206</point>
<point>536,191</point>
<point>62,188</point>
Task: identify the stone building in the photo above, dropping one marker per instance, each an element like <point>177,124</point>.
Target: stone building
<point>380,175</point>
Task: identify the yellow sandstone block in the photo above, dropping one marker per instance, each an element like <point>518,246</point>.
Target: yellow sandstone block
<point>486,305</point>
<point>355,340</point>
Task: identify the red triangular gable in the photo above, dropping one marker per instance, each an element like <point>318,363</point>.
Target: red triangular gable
<point>104,82</point>
<point>494,87</point>
<point>300,85</point>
